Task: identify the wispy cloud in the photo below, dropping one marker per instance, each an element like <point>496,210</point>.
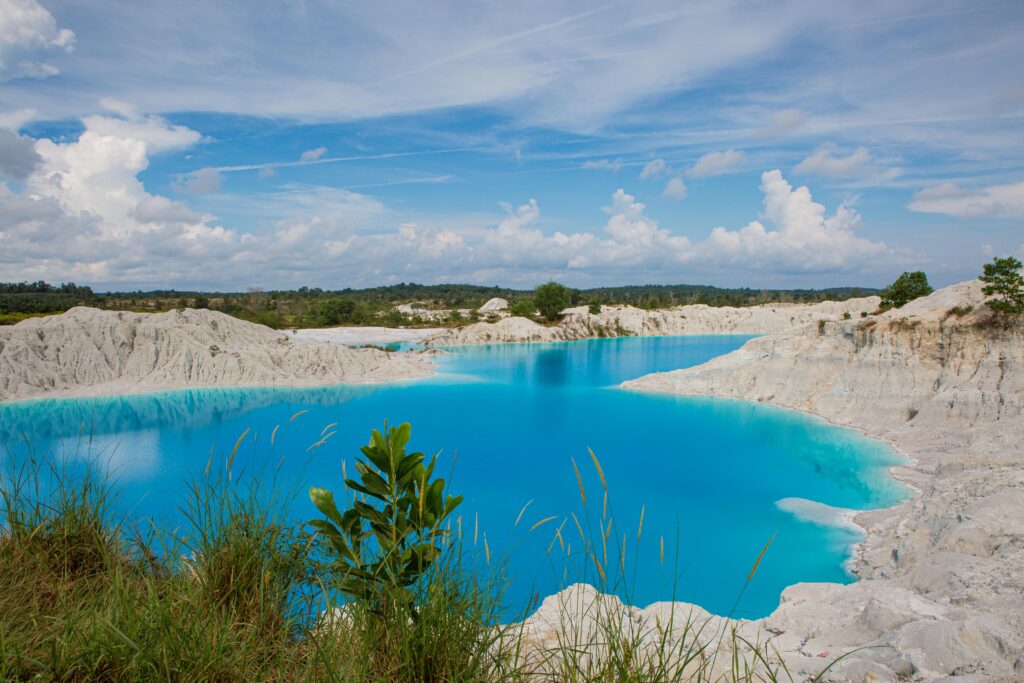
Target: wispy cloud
<point>317,160</point>
<point>979,202</point>
<point>715,163</point>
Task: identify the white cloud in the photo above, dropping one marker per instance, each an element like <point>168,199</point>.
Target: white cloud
<point>312,154</point>
<point>787,120</point>
<point>653,169</point>
<point>675,189</point>
<point>602,165</point>
<point>203,181</point>
<point>85,201</point>
<point>18,157</point>
<point>805,239</point>
<point>981,202</point>
<point>825,162</point>
<point>84,215</point>
<point>715,163</point>
<point>14,120</point>
<point>28,32</point>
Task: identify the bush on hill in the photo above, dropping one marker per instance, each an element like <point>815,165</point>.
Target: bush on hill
<point>906,288</point>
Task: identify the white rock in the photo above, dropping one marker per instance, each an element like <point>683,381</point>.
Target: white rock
<point>87,351</point>
<point>942,587</point>
<point>495,305</point>
<point>617,321</point>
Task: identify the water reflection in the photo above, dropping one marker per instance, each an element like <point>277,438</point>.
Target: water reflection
<point>709,471</point>
<point>55,419</point>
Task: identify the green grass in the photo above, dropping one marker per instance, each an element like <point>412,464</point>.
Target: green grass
<point>12,318</point>
<point>239,593</point>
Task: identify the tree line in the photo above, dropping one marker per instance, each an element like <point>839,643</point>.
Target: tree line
<point>315,307</point>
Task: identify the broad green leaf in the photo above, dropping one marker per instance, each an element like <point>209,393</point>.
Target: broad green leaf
<point>323,499</point>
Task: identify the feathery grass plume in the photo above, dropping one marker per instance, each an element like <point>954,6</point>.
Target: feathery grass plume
<point>234,451</point>
<point>542,522</point>
<point>520,515</point>
<point>579,480</point>
<point>238,593</point>
<point>600,470</point>
<point>760,556</point>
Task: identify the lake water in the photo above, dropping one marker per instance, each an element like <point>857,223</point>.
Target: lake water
<point>709,474</point>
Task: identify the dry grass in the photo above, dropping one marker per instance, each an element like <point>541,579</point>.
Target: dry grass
<point>236,595</point>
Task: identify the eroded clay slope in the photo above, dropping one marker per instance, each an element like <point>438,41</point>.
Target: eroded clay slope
<point>87,350</point>
<point>942,589</point>
<point>618,321</point>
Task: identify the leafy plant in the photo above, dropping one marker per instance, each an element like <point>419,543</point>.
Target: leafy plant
<point>382,547</point>
<point>1003,279</point>
<point>523,308</point>
<point>906,288</point>
<point>551,298</point>
<point>594,308</point>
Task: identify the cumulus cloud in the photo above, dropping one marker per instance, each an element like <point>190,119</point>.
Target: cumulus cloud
<point>825,161</point>
<point>85,215</point>
<point>18,157</point>
<point>602,165</point>
<point>981,202</point>
<point>804,239</point>
<point>675,189</point>
<point>28,33</point>
<point>14,120</point>
<point>653,169</point>
<point>715,163</point>
<point>312,154</point>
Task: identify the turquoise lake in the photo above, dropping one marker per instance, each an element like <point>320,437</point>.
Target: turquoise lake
<point>707,472</point>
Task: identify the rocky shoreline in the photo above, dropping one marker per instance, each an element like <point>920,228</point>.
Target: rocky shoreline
<point>941,593</point>
<point>620,321</point>
<point>91,352</point>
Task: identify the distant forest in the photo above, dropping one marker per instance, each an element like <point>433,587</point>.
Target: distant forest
<point>314,307</point>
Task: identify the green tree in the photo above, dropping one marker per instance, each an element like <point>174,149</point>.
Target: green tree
<point>594,308</point>
<point>523,308</point>
<point>551,298</point>
<point>908,286</point>
<point>1002,279</point>
<point>401,513</point>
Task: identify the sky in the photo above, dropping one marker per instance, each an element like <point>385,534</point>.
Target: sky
<point>231,145</point>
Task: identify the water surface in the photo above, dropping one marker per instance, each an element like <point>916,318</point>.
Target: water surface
<point>708,473</point>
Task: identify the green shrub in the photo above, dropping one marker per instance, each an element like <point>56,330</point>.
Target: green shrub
<point>232,595</point>
<point>523,308</point>
<point>551,299</point>
<point>906,288</point>
<point>403,525</point>
<point>1003,280</point>
<point>594,308</point>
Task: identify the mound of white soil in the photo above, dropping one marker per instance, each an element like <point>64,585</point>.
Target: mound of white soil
<point>618,321</point>
<point>87,351</point>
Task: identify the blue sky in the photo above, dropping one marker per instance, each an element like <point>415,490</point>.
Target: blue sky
<point>258,144</point>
